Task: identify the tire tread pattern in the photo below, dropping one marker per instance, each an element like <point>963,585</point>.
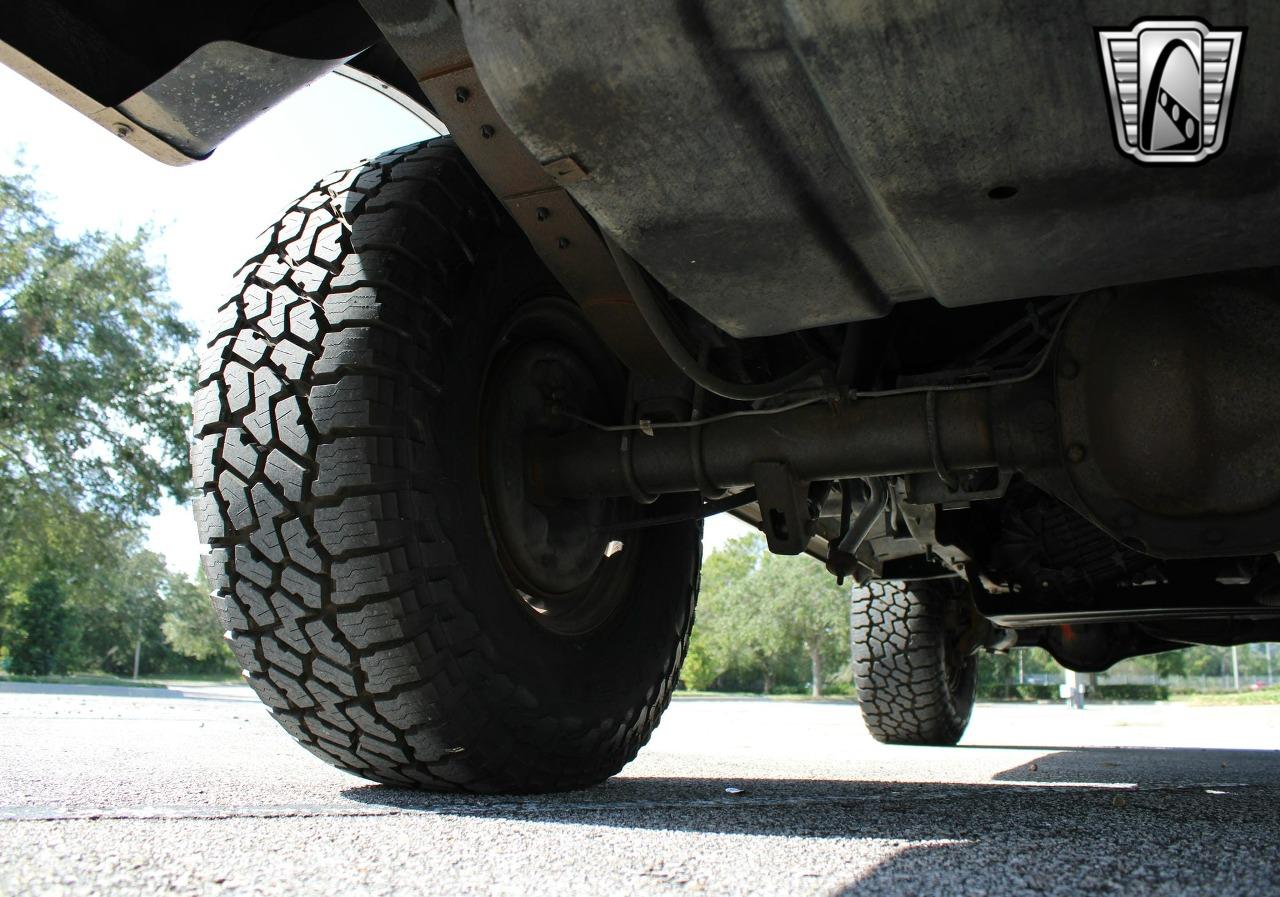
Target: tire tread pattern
<point>344,598</point>
<point>899,639</point>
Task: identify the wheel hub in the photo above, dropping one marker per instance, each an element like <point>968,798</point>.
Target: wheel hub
<point>557,553</point>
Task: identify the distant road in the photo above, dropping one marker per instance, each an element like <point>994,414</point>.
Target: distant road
<point>195,790</point>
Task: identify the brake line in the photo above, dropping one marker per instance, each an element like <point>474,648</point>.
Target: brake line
<point>828,395</point>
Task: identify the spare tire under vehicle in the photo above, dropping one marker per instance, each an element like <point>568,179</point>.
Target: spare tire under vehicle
<point>392,595</point>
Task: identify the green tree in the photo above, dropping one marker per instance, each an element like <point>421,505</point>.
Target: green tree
<point>191,625</point>
<point>812,609</point>
<point>714,650</point>
<point>119,610</point>
<point>766,620</point>
<point>757,635</point>
<point>94,369</point>
<point>39,622</point>
<point>1171,663</point>
<point>737,627</point>
<point>54,538</point>
<point>1207,660</point>
<point>698,672</point>
<point>93,360</point>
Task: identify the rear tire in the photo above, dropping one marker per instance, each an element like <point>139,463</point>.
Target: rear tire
<point>343,459</point>
<point>913,686</point>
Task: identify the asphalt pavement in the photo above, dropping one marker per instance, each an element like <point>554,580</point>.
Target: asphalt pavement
<point>197,791</point>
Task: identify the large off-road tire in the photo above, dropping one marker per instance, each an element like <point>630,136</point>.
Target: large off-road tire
<point>345,462</point>
<point>913,684</point>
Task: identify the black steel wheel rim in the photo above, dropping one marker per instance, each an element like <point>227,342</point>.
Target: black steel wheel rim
<point>547,373</point>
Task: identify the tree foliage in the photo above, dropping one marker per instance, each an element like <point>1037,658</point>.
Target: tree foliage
<point>92,359</point>
<point>191,625</point>
<point>39,625</point>
<point>94,370</point>
<point>115,598</point>
<point>767,621</point>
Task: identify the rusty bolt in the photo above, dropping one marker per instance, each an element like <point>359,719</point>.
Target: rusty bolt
<point>122,130</point>
<point>486,131</point>
<point>543,213</point>
<point>462,94</point>
<point>1075,453</point>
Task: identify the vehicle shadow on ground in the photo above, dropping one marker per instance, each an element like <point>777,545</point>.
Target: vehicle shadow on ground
<point>1089,826</point>
<point>1070,782</point>
<point>1140,765</point>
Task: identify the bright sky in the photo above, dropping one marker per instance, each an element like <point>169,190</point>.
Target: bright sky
<point>209,214</point>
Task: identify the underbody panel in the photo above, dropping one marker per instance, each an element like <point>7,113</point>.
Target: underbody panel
<point>779,166</point>
<point>775,166</point>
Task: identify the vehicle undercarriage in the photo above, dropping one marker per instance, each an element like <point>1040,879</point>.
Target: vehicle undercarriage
<point>774,260</point>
